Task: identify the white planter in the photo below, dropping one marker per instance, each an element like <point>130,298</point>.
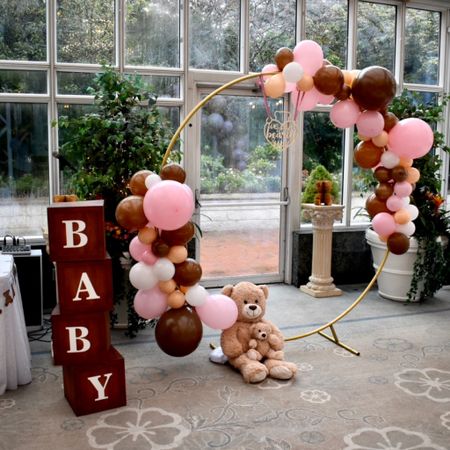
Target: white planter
<point>395,279</point>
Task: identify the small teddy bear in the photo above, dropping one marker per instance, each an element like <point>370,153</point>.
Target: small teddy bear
<point>323,193</point>
<point>260,344</point>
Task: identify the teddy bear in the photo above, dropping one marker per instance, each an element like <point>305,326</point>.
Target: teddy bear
<point>323,193</point>
<point>260,344</point>
<point>251,300</point>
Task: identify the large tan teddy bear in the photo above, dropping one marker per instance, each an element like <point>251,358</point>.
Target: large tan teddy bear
<point>235,341</point>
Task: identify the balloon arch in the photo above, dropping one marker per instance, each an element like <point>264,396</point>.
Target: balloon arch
<point>161,206</point>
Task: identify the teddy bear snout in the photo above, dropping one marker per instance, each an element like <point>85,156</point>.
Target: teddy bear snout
<point>252,307</point>
<point>263,335</point>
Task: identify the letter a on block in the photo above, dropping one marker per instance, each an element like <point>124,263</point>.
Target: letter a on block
<point>100,387</point>
<point>71,231</point>
<point>85,285</point>
<point>73,338</point>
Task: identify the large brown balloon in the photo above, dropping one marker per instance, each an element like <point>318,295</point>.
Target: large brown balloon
<point>283,56</point>
<point>373,88</point>
<point>375,206</point>
<point>130,213</point>
<point>187,273</point>
<point>329,80</point>
<point>382,174</point>
<point>398,243</point>
<point>137,182</point>
<point>367,155</point>
<point>173,171</point>
<point>383,191</point>
<point>179,331</point>
<point>390,120</point>
<point>180,236</point>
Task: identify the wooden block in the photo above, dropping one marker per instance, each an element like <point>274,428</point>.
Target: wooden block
<point>98,386</point>
<point>79,338</point>
<point>76,230</point>
<point>84,286</point>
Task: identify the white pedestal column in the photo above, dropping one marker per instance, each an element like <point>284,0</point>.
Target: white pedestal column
<point>322,217</point>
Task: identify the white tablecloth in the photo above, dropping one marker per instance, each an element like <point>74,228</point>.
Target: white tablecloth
<point>15,354</point>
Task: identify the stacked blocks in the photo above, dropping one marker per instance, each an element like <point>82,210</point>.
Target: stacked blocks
<point>93,370</point>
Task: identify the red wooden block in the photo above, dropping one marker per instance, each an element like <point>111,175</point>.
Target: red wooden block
<point>76,230</point>
<point>84,286</point>
<point>79,338</point>
<point>96,387</point>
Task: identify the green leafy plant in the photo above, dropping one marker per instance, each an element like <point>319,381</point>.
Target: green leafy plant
<point>432,267</point>
<point>317,174</point>
<point>103,149</point>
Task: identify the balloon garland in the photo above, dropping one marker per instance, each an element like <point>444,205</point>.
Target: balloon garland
<point>161,206</point>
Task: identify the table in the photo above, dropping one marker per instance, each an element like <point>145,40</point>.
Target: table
<point>15,356</point>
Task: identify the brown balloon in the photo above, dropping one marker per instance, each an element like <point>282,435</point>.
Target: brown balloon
<point>398,243</point>
<point>367,155</point>
<point>283,56</point>
<point>375,206</point>
<point>130,213</point>
<point>137,183</point>
<point>179,331</point>
<point>329,80</point>
<point>180,236</point>
<point>399,174</point>
<point>383,191</point>
<point>160,248</point>
<point>187,273</point>
<point>382,174</point>
<point>390,120</point>
<point>344,93</point>
<point>173,171</point>
<point>373,88</point>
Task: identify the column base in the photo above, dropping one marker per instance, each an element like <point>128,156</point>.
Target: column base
<point>332,291</point>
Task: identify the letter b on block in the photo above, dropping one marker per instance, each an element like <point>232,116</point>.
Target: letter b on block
<point>76,230</point>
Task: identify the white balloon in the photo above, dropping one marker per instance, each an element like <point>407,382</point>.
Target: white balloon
<point>196,295</point>
<point>407,200</point>
<point>151,180</point>
<point>407,228</point>
<point>388,160</point>
<point>293,72</point>
<point>164,269</point>
<point>413,211</point>
<point>142,276</point>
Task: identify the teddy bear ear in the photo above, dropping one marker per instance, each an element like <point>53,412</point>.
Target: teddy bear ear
<point>227,290</point>
<point>265,290</point>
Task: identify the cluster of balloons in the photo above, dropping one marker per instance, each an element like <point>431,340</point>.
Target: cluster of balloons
<point>387,145</point>
<point>160,209</point>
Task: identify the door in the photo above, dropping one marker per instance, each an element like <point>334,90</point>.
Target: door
<point>241,194</point>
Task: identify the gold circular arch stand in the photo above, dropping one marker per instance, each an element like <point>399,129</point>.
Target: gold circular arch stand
<point>320,330</point>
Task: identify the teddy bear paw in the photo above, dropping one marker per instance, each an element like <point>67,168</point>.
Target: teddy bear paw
<point>281,373</point>
<point>255,374</point>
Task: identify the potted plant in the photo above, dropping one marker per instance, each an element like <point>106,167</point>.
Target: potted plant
<point>103,149</point>
<point>425,268</point>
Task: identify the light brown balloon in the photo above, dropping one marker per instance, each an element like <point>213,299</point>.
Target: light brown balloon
<point>381,140</point>
<point>402,216</point>
<point>167,286</point>
<point>413,175</point>
<point>137,183</point>
<point>177,254</point>
<point>147,235</point>
<point>283,56</point>
<point>306,83</point>
<point>130,213</point>
<point>398,243</point>
<point>176,299</point>
<point>367,155</point>
<point>329,80</point>
<point>275,86</point>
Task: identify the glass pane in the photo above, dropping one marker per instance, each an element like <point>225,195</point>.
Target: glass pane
<point>23,81</point>
<point>24,193</point>
<point>22,30</point>
<point>85,31</point>
<point>422,35</point>
<point>74,83</point>
<point>238,165</point>
<point>172,113</point>
<point>153,33</point>
<point>214,34</point>
<point>323,144</point>
<point>376,35</point>
<point>326,23</point>
<point>272,25</point>
<point>164,86</point>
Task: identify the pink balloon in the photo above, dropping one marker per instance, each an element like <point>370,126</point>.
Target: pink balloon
<point>344,114</point>
<point>308,100</point>
<point>137,249</point>
<point>384,224</point>
<point>150,303</point>
<point>149,258</point>
<point>403,189</point>
<point>370,123</point>
<point>394,203</point>
<point>218,312</point>
<point>169,205</point>
<point>325,99</point>
<point>411,138</point>
<point>269,68</point>
<point>290,87</point>
<point>309,55</point>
